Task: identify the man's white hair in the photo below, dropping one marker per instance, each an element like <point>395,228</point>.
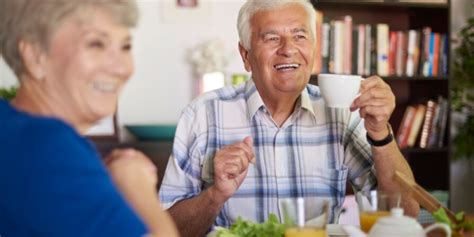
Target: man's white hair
<point>248,10</point>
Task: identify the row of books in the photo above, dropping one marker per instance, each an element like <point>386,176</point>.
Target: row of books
<point>424,125</point>
<point>364,49</point>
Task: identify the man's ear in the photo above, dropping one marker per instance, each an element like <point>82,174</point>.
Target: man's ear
<point>33,59</point>
<point>244,53</point>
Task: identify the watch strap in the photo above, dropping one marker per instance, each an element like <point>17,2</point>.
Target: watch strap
<point>389,138</point>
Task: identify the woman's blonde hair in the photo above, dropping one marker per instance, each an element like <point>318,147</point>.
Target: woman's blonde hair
<point>36,20</point>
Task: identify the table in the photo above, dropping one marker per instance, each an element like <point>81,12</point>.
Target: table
<point>158,152</point>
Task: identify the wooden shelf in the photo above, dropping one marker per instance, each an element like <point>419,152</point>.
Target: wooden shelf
<point>417,150</point>
<point>430,166</point>
<point>381,3</point>
<point>393,79</point>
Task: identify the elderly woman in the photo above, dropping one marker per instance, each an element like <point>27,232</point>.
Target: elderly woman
<point>72,58</point>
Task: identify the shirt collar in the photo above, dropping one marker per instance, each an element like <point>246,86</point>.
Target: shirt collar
<point>306,101</point>
<point>255,102</point>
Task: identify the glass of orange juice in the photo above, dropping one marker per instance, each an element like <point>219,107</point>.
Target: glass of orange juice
<point>301,221</point>
<point>375,204</point>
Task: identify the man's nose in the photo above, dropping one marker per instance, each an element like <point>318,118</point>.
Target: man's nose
<point>287,47</point>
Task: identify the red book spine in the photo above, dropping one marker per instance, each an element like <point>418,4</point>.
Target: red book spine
<point>392,53</point>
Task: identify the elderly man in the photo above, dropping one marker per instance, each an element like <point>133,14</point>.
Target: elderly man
<point>239,150</point>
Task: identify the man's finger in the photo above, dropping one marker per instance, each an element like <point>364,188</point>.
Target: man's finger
<point>249,142</point>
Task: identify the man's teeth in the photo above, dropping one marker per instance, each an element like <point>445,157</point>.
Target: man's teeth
<point>286,66</point>
<point>106,87</point>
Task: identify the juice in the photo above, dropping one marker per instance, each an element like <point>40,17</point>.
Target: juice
<point>305,232</point>
<point>368,219</point>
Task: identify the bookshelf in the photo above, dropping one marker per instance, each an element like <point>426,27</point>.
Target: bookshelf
<point>430,165</point>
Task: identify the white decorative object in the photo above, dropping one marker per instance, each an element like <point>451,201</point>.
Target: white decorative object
<point>212,81</point>
<point>209,61</point>
<point>208,56</point>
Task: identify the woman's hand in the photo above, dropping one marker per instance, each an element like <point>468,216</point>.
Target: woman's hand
<point>132,172</point>
<point>136,178</point>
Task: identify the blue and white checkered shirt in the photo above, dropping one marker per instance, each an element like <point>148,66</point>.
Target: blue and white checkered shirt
<point>311,155</point>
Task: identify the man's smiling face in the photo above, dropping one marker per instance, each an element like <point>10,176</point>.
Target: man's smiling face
<point>282,50</point>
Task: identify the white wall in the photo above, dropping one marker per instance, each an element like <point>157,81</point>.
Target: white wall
<point>163,81</point>
<point>7,78</point>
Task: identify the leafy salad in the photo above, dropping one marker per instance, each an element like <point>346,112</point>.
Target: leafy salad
<point>241,228</point>
<point>461,224</point>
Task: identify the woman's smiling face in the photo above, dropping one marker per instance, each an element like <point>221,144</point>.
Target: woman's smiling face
<point>87,63</point>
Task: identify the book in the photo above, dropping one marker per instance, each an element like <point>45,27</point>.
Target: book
<point>413,53</point>
<point>416,126</point>
<point>392,52</point>
<point>382,49</point>
<point>426,128</point>
<point>436,42</point>
<point>401,53</point>
<point>444,60</point>
<point>425,51</point>
<point>360,49</point>
<point>317,67</point>
<point>332,42</point>
<point>347,45</point>
<point>325,47</point>
<point>373,51</point>
<point>433,138</point>
<point>425,56</point>
<point>444,111</point>
<point>369,45</point>
<point>338,47</point>
<point>405,126</point>
<point>355,49</point>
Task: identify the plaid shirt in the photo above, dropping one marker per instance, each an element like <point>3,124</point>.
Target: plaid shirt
<point>311,155</point>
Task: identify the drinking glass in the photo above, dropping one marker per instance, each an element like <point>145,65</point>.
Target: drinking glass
<point>375,204</point>
<point>297,225</point>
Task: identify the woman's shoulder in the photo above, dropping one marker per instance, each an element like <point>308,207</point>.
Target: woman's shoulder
<point>32,137</point>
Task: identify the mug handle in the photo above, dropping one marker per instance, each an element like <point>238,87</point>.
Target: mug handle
<point>442,226</point>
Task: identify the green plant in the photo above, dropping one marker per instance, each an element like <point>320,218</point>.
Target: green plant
<point>463,90</point>
<point>271,228</point>
<point>8,93</point>
<point>460,225</point>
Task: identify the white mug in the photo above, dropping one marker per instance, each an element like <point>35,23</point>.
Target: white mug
<point>339,91</point>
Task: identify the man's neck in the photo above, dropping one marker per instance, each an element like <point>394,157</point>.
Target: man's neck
<point>280,108</point>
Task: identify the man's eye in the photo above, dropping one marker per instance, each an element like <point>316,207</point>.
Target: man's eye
<point>96,44</point>
<point>127,47</point>
<point>274,38</point>
<point>300,37</point>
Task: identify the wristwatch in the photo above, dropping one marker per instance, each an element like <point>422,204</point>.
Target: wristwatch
<point>383,142</point>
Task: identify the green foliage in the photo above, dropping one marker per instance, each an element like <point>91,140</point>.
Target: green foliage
<point>463,90</point>
<point>8,93</point>
<point>463,67</point>
<point>464,140</point>
<point>462,224</point>
<point>241,228</point>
